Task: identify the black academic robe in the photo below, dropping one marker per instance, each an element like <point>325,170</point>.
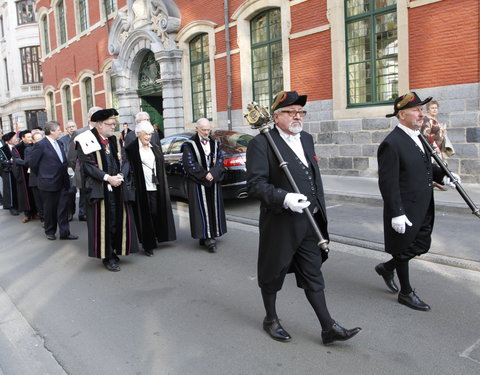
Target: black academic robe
<point>26,200</point>
<point>110,221</point>
<point>282,230</point>
<point>205,199</point>
<point>149,232</point>
<point>9,184</point>
<point>405,179</point>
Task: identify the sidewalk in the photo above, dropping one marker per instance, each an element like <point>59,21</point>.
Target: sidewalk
<point>365,190</point>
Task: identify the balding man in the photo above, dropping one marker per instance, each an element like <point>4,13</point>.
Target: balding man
<point>139,117</point>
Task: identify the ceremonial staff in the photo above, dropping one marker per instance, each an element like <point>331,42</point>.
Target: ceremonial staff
<point>458,186</point>
<point>259,118</point>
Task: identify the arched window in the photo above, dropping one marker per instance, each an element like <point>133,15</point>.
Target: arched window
<point>45,38</point>
<point>51,106</point>
<point>87,86</point>
<point>266,45</point>
<point>372,51</point>
<point>200,76</point>
<point>60,22</point>
<point>82,15</point>
<point>67,103</point>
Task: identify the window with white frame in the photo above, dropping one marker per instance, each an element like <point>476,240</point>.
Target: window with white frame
<point>67,102</point>
<point>82,15</point>
<point>51,105</point>
<point>200,77</point>
<point>60,22</point>
<point>109,6</point>
<point>45,34</point>
<point>25,11</point>
<point>31,67</point>
<point>87,87</point>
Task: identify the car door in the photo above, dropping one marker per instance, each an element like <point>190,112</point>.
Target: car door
<point>174,168</point>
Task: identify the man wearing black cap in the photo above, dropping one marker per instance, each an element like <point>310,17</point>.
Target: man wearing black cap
<point>405,177</point>
<point>110,221</point>
<point>10,201</point>
<point>287,241</point>
<point>26,201</point>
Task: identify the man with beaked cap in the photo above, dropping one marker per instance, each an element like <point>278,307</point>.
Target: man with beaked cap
<point>10,201</point>
<point>288,242</point>
<point>110,221</point>
<point>405,177</point>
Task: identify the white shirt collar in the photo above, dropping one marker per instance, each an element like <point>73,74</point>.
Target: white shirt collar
<point>288,137</point>
<point>410,132</point>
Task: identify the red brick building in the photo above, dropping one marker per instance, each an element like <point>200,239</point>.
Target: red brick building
<point>178,61</point>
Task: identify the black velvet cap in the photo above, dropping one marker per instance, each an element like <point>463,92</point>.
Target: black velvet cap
<point>286,98</point>
<point>104,114</point>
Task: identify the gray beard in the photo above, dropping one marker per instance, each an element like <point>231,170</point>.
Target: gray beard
<point>295,129</point>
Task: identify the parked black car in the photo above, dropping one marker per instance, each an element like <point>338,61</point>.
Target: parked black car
<point>234,146</point>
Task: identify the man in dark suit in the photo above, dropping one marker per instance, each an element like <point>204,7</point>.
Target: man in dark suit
<point>49,162</point>
<point>74,163</point>
<point>405,177</point>
<point>287,240</point>
<point>72,191</point>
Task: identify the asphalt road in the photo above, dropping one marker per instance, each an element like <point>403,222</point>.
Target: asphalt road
<point>186,311</point>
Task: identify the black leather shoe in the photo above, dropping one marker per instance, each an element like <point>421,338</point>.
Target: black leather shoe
<point>411,300</point>
<point>149,253</point>
<point>111,265</point>
<point>69,237</point>
<point>14,212</point>
<point>276,331</point>
<point>50,237</point>
<point>82,218</point>
<point>115,256</point>
<point>212,248</point>
<point>338,333</point>
<point>387,277</point>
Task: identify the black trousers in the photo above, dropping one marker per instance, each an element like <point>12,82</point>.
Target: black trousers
<point>55,212</point>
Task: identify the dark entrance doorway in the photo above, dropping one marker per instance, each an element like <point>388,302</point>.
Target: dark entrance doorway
<point>150,89</point>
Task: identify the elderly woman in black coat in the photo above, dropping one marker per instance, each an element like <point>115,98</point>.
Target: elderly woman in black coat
<point>153,209</point>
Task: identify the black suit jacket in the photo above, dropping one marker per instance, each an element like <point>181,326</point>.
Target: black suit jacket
<point>405,179</point>
<point>281,231</point>
<point>51,173</point>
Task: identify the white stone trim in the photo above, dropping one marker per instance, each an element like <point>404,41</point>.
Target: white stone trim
<point>419,3</point>
<point>336,17</point>
<point>224,54</point>
<point>310,32</point>
<point>243,14</point>
<point>183,38</point>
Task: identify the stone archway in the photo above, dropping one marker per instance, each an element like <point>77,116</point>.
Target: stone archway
<point>148,27</point>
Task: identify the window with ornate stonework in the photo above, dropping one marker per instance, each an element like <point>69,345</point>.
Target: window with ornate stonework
<point>372,51</point>
<point>266,45</point>
<point>200,77</point>
<point>31,67</point>
<point>82,15</point>
<point>87,86</point>
<point>25,11</point>
<point>51,105</point>
<point>44,33</point>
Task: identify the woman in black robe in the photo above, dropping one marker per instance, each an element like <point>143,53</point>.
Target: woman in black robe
<point>153,209</point>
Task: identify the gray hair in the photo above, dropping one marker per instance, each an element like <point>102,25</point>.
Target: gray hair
<point>92,110</point>
<point>38,131</point>
<point>200,120</point>
<point>51,126</point>
<point>144,127</point>
<point>137,116</point>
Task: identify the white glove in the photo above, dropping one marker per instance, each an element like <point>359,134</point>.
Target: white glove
<point>296,202</point>
<point>398,223</point>
<point>446,180</point>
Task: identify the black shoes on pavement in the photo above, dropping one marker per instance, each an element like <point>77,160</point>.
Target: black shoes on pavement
<point>209,243</point>
<point>411,300</point>
<point>69,237</point>
<point>338,333</point>
<point>387,277</point>
<point>111,264</point>
<point>276,331</point>
<point>149,252</point>
<point>50,237</point>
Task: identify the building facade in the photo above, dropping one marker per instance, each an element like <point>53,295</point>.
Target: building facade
<point>22,104</point>
<point>179,61</point>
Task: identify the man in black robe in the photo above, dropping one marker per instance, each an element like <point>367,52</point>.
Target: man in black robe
<point>287,240</point>
<point>110,221</point>
<point>153,209</point>
<point>26,200</point>
<point>405,178</point>
<point>202,160</point>
<point>10,201</point>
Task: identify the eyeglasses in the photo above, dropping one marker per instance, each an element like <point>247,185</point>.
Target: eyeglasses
<point>110,123</point>
<point>293,113</point>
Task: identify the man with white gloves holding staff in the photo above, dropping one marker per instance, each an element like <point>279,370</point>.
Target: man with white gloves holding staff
<point>405,177</point>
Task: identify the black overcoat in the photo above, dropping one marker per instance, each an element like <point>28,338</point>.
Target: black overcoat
<point>405,179</point>
<point>280,230</point>
<point>9,184</point>
<point>149,232</point>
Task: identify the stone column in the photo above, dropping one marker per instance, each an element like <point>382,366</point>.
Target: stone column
<point>171,81</point>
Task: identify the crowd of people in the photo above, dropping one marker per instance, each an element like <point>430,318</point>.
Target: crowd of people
<point>123,190</point>
<point>124,195</point>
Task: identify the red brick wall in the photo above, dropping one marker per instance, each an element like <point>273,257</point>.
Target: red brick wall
<point>444,43</point>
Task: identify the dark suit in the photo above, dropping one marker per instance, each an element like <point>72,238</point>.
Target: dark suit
<point>53,183</point>
<point>131,136</point>
<point>283,232</point>
<point>405,178</point>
